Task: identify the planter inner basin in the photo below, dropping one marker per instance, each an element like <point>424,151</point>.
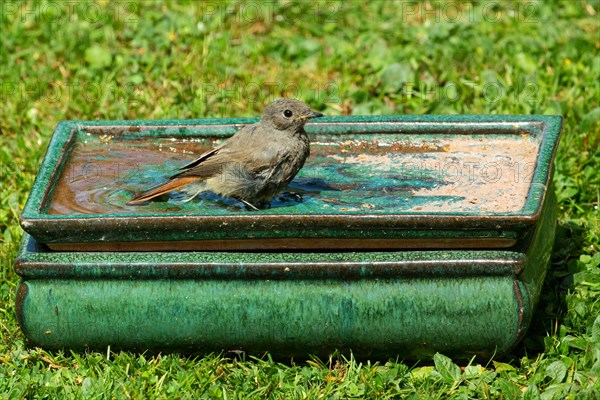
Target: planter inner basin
<point>392,182</point>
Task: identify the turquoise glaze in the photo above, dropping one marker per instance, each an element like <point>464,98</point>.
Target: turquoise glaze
<point>395,177</point>
<point>378,304</point>
<point>404,301</point>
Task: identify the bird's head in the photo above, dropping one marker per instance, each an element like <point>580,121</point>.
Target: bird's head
<point>288,115</point>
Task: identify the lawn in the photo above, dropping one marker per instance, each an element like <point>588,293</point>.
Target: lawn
<point>188,59</point>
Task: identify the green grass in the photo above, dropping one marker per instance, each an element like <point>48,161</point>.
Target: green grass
<point>149,60</point>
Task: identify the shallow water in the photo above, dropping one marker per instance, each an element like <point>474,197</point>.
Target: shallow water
<point>358,173</point>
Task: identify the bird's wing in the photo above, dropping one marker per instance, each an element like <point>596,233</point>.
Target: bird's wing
<point>212,161</point>
<point>217,161</point>
<point>198,160</point>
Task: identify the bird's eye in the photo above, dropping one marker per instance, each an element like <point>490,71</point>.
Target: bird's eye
<point>287,113</point>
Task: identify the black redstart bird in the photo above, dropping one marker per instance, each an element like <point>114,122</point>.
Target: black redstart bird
<point>254,164</point>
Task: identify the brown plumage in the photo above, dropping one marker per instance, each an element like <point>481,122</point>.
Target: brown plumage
<point>254,164</point>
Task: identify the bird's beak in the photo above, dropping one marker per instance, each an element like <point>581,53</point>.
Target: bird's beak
<point>312,114</point>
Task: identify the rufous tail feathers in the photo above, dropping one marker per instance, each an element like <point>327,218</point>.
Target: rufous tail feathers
<point>163,188</point>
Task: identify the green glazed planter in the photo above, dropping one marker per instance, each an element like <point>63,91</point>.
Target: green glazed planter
<point>405,236</point>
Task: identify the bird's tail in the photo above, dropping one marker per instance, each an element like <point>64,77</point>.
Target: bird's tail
<point>161,189</point>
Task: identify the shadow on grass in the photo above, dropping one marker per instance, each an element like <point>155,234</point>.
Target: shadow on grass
<point>552,307</point>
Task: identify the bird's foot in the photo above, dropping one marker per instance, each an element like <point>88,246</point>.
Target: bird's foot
<point>249,205</point>
<point>288,196</point>
<point>297,196</point>
<point>193,196</point>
